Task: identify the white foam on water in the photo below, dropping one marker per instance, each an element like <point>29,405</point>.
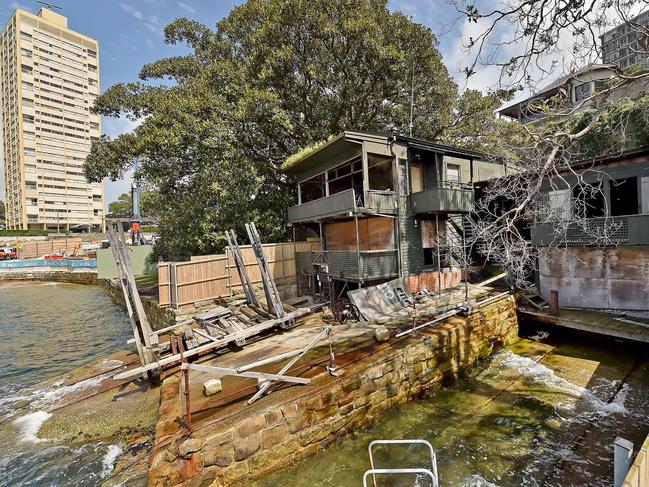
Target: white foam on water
<point>540,335</point>
<point>546,376</point>
<point>476,481</point>
<point>29,424</point>
<point>114,451</point>
<point>46,396</point>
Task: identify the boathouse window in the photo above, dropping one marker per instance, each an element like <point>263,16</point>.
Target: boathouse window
<point>588,200</point>
<point>624,196</point>
<point>453,173</point>
<point>346,176</point>
<point>417,176</point>
<point>312,189</point>
<point>582,91</point>
<point>379,169</point>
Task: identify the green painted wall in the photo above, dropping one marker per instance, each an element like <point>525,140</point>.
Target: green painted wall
<point>107,269</point>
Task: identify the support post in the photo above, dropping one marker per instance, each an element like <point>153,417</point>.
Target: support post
<point>358,252</point>
<point>554,302</point>
<point>622,455</point>
<point>186,392</point>
<point>439,259</point>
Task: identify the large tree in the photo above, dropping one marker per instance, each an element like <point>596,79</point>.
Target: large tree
<point>273,77</point>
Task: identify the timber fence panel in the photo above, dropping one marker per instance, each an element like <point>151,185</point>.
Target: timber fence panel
<point>638,475</point>
<point>164,292</point>
<point>204,277</point>
<point>29,249</point>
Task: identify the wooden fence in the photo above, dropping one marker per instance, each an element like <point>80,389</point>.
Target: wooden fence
<point>29,249</point>
<point>180,284</point>
<point>638,475</point>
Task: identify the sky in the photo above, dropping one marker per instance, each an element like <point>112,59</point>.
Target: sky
<point>130,34</point>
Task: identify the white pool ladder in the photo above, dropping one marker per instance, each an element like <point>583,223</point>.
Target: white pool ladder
<point>431,473</point>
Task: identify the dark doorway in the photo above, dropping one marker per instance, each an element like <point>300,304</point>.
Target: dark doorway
<point>589,201</point>
<point>624,196</point>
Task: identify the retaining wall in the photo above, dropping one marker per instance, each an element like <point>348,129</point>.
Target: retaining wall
<point>78,276</point>
<point>255,441</point>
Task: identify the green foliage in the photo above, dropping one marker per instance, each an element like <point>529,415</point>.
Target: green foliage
<point>2,212</point>
<point>120,208</point>
<point>291,160</point>
<point>622,125</point>
<point>274,77</point>
<point>23,233</point>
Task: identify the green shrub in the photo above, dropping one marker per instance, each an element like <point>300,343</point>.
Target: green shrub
<point>23,233</point>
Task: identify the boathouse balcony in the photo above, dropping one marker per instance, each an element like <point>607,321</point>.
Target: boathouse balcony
<point>626,229</point>
<point>447,197</point>
<point>349,264</point>
<point>345,203</point>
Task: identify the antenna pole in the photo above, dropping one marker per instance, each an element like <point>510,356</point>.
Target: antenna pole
<point>51,6</point>
<point>412,97</point>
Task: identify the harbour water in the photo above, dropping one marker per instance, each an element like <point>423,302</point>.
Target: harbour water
<point>46,330</point>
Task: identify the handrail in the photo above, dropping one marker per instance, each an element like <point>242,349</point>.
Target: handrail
<point>433,458</point>
<point>400,471</point>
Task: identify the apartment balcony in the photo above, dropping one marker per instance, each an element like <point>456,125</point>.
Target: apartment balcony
<point>350,265</point>
<point>345,203</point>
<point>448,198</point>
<point>612,230</point>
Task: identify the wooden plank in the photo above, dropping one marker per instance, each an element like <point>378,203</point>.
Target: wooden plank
<point>252,375</point>
<point>248,332</point>
<point>262,390</point>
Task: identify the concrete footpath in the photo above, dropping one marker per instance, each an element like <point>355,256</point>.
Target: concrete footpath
<point>607,324</point>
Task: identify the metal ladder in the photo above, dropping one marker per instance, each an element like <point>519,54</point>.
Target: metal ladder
<point>270,289</point>
<point>430,473</point>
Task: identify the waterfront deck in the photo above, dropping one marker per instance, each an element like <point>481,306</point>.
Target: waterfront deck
<point>606,324</point>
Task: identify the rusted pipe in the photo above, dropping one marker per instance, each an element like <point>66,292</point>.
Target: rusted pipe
<point>185,373</point>
<point>554,302</point>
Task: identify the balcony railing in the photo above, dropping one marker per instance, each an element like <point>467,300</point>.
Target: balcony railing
<point>449,198</point>
<point>344,264</point>
<point>612,230</point>
<point>345,202</point>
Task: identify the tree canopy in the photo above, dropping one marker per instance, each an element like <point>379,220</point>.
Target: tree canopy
<point>275,76</point>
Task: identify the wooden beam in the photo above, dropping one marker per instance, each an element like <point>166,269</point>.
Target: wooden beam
<point>248,332</point>
<point>491,279</point>
<point>252,375</point>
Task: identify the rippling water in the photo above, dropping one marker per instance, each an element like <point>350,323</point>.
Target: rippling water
<point>46,330</point>
<point>530,416</point>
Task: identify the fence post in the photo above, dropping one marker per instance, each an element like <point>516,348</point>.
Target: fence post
<point>227,265</point>
<point>622,454</point>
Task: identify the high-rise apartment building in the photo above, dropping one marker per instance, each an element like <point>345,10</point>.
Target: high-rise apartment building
<point>622,45</point>
<point>49,79</point>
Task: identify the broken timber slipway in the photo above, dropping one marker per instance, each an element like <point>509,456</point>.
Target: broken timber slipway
<point>235,416</point>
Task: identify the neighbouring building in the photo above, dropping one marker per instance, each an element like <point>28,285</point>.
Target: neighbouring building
<point>601,259</point>
<point>382,206</point>
<point>623,45</point>
<point>566,91</point>
<point>49,79</point>
<point>570,94</point>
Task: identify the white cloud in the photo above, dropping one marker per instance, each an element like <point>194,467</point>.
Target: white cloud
<point>129,9</point>
<point>153,23</point>
<point>188,8</point>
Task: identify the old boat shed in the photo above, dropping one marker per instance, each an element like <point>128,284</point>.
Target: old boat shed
<point>383,207</point>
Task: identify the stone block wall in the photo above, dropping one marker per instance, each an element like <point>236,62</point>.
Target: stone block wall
<point>51,274</point>
<point>238,450</point>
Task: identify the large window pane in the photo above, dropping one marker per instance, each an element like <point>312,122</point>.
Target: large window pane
<point>380,172</point>
<point>313,188</point>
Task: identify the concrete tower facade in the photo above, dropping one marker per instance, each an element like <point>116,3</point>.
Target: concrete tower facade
<point>49,79</point>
